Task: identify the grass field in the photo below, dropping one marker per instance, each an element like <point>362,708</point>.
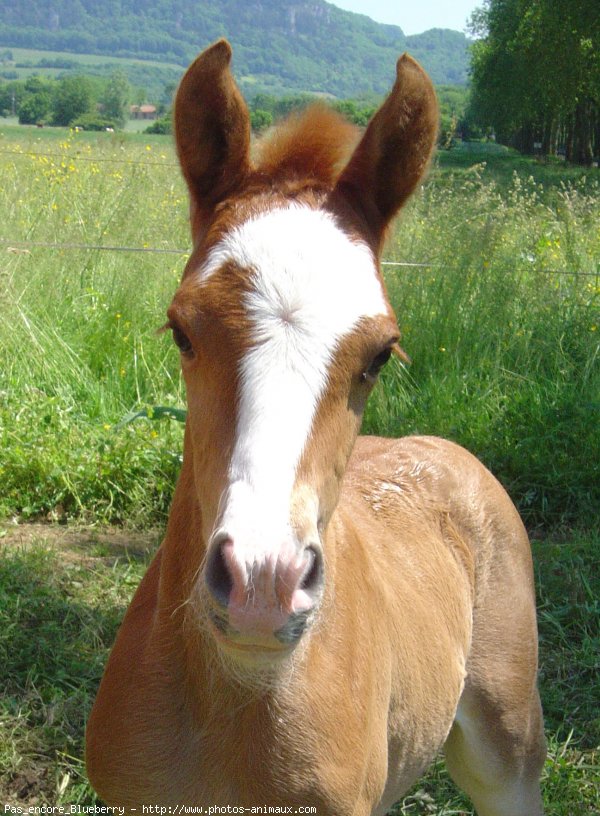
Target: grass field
<point>502,324</point>
<point>32,55</point>
<point>131,126</point>
<point>150,75</point>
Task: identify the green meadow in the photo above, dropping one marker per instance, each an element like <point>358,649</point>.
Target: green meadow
<point>499,312</point>
<point>146,75</point>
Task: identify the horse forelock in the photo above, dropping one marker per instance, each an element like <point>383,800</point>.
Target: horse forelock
<point>313,144</point>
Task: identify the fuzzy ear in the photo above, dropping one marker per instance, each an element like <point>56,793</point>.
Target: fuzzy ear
<point>212,129</point>
<point>394,152</point>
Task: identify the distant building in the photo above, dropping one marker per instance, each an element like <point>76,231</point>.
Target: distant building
<point>142,112</point>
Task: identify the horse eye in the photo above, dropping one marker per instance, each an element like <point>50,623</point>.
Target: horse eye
<point>372,372</point>
<point>182,341</point>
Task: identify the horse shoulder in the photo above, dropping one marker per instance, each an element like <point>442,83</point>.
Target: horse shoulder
<point>426,477</point>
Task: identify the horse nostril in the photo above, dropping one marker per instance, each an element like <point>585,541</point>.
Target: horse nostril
<point>312,580</point>
<point>217,575</point>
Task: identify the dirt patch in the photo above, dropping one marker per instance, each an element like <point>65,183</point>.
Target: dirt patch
<point>81,544</point>
<point>31,786</point>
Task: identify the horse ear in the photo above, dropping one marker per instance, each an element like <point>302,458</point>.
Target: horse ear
<point>394,152</point>
<point>212,129</point>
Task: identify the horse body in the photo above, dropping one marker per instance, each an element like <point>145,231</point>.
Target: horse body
<point>324,614</point>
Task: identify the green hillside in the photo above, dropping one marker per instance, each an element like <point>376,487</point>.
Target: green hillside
<point>279,45</point>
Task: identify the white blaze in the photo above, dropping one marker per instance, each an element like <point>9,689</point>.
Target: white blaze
<point>310,285</point>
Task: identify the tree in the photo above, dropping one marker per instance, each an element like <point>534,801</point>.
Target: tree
<point>536,74</point>
<point>11,96</point>
<point>36,101</point>
<point>33,110</point>
<point>355,112</point>
<point>115,99</point>
<point>72,98</point>
<point>260,120</point>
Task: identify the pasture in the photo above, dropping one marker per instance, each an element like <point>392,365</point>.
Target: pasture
<point>501,321</point>
<point>149,76</point>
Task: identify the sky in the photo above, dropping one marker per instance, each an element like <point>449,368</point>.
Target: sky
<point>414,16</point>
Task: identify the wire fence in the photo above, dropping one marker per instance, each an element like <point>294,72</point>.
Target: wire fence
<point>18,246</point>
<point>24,247</point>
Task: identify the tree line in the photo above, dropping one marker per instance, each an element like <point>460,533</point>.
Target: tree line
<point>535,75</point>
<point>72,100</point>
<point>266,109</point>
<point>94,103</point>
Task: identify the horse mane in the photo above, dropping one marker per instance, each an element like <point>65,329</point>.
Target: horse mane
<point>314,143</point>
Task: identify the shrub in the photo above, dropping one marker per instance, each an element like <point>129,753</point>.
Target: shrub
<point>93,121</point>
<point>162,126</point>
<point>260,120</point>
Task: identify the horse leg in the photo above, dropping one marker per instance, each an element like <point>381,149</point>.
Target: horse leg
<point>496,755</point>
<point>496,748</point>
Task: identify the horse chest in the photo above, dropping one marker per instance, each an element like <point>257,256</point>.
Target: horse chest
<point>275,761</point>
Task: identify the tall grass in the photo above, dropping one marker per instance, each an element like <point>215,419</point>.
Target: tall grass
<point>79,343</point>
<point>502,327</point>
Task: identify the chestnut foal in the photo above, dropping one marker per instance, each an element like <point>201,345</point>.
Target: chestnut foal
<point>325,613</point>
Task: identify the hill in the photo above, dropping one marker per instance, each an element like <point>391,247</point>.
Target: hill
<point>279,45</point>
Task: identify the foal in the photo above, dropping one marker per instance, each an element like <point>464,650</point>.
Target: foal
<point>325,613</point>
